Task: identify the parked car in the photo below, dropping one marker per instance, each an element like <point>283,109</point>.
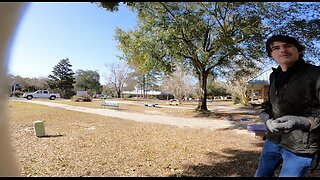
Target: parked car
<point>95,95</point>
<point>174,102</point>
<point>41,94</point>
<point>102,96</point>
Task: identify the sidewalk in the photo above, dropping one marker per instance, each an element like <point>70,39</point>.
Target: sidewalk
<point>207,123</point>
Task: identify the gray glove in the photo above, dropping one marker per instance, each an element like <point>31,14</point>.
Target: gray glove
<point>264,117</point>
<point>289,123</point>
<point>270,124</point>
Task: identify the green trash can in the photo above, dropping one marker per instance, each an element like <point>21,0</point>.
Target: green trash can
<point>39,128</point>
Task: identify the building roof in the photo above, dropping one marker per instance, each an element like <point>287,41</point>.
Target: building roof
<point>262,78</point>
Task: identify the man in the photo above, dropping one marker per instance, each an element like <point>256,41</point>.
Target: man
<point>292,114</point>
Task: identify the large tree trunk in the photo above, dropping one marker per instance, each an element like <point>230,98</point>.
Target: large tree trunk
<point>244,98</point>
<point>202,105</point>
<point>144,87</point>
<point>118,93</point>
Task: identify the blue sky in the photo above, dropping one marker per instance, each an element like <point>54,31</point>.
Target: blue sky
<point>79,31</point>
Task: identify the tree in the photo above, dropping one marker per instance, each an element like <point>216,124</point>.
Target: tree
<point>236,82</point>
<point>40,82</point>
<point>111,6</point>
<point>206,36</point>
<point>143,82</point>
<point>23,82</point>
<point>305,25</point>
<point>62,78</point>
<point>238,88</point>
<point>108,90</point>
<point>143,79</point>
<point>215,87</point>
<point>29,84</point>
<point>118,74</point>
<point>179,84</point>
<point>88,80</point>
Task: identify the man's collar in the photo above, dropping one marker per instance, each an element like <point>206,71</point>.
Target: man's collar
<point>295,66</point>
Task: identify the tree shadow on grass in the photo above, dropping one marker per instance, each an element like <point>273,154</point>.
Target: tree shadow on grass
<point>232,113</point>
<point>236,163</point>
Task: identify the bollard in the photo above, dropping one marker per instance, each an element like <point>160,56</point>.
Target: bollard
<point>39,128</point>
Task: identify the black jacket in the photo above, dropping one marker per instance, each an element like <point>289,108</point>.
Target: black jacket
<point>297,94</point>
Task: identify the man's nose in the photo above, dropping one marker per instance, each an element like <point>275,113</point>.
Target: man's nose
<point>283,49</point>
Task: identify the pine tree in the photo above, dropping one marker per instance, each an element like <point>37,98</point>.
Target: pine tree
<point>62,79</point>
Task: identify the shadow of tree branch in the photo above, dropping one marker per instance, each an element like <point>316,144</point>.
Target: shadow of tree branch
<point>235,163</point>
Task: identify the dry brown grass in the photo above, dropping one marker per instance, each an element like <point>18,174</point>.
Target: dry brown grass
<point>80,144</point>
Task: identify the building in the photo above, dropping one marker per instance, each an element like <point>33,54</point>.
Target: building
<point>258,87</point>
<point>15,89</point>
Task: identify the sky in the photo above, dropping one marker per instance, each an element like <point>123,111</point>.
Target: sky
<point>80,31</point>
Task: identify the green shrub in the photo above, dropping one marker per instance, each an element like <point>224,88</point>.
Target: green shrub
<point>236,100</point>
<point>81,99</point>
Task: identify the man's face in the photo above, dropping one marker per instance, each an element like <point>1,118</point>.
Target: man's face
<point>285,54</point>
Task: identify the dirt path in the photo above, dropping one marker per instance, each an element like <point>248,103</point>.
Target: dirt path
<point>211,124</point>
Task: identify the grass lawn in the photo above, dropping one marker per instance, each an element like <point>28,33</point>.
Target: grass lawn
<point>80,144</point>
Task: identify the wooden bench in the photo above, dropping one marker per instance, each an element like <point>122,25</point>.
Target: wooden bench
<point>150,104</point>
<point>110,104</point>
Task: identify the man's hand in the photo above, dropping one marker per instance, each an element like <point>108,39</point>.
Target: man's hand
<point>264,117</point>
<point>289,123</point>
<point>272,125</point>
